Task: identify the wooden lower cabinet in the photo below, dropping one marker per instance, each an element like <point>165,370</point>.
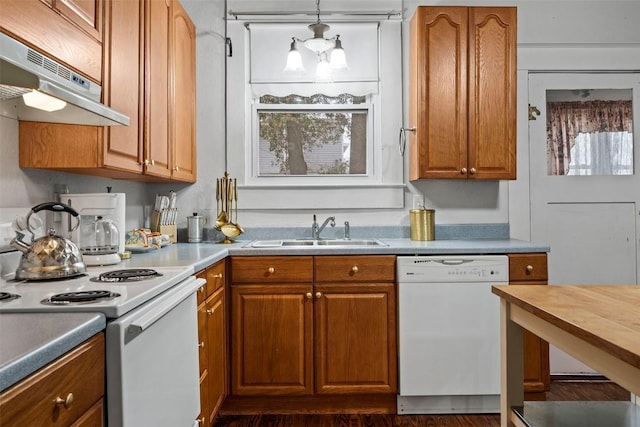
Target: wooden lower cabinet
<point>531,269</point>
<point>67,392</point>
<point>212,338</point>
<point>308,327</point>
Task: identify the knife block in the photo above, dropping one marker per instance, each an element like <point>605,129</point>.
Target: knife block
<point>158,226</point>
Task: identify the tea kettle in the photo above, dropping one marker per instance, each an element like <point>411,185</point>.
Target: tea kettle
<point>48,257</point>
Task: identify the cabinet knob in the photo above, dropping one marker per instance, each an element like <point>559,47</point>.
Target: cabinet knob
<point>217,276</point>
<point>210,311</point>
<point>153,162</point>
<point>66,402</point>
<point>308,295</point>
<point>463,171</point>
<point>146,162</point>
<point>200,421</point>
<point>529,268</point>
<point>271,270</point>
<point>472,171</point>
<point>176,169</point>
<point>354,269</point>
<point>318,294</point>
<point>201,344</point>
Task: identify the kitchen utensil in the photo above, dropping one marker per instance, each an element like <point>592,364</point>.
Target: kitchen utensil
<point>51,256</point>
<point>422,223</point>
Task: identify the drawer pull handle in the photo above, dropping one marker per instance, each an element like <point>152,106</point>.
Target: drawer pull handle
<point>200,421</point>
<point>529,268</point>
<point>210,311</point>
<point>201,289</point>
<point>463,171</point>
<point>66,402</point>
<point>472,171</point>
<point>354,269</point>
<point>271,270</point>
<point>217,276</point>
<point>309,295</point>
<point>318,294</point>
<point>201,345</point>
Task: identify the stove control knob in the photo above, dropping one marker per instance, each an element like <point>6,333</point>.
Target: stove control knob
<point>67,402</point>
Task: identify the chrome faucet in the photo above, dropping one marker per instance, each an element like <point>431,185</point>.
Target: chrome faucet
<point>315,230</point>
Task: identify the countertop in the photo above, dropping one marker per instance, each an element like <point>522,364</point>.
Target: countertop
<point>29,341</point>
<point>202,255</point>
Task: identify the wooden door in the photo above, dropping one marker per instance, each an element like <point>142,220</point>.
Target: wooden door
<point>156,142</point>
<point>438,93</point>
<point>355,332</point>
<point>123,84</point>
<point>492,93</point>
<point>217,352</point>
<point>271,327</point>
<point>183,102</point>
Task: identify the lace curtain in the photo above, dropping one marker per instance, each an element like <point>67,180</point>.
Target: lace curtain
<point>565,120</point>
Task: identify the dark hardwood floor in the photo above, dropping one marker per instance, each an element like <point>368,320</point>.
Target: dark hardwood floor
<point>560,390</point>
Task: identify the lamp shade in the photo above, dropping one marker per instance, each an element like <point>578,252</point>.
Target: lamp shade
<point>338,58</point>
<point>294,59</point>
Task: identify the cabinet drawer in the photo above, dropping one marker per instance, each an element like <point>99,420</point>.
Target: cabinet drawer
<point>215,277</point>
<point>527,267</point>
<point>80,373</point>
<point>377,268</point>
<point>272,269</point>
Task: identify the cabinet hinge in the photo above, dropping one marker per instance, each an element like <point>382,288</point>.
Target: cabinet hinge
<point>533,112</point>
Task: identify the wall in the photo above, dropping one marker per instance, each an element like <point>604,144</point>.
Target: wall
<point>570,34</point>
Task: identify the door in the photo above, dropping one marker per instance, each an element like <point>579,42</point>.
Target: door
<point>583,185</point>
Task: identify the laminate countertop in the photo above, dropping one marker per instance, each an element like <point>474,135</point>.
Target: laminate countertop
<point>29,341</point>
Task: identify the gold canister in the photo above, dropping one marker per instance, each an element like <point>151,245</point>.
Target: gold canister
<point>422,224</point>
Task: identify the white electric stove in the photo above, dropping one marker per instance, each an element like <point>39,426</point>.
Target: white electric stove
<point>97,291</point>
<point>151,335</point>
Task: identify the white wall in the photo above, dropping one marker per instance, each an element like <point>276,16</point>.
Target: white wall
<point>570,34</point>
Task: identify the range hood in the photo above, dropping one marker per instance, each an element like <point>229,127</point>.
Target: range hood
<point>24,71</point>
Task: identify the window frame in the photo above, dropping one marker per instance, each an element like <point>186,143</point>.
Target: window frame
<point>373,148</point>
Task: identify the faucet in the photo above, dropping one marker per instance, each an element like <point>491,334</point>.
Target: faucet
<point>315,230</point>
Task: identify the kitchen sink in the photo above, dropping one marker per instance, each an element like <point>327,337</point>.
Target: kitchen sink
<point>292,243</point>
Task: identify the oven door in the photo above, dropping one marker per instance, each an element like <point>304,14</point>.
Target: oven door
<point>152,362</point>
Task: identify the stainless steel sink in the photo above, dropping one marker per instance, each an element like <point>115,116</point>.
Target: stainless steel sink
<point>318,243</point>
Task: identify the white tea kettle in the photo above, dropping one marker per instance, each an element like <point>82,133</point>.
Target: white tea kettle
<point>51,256</point>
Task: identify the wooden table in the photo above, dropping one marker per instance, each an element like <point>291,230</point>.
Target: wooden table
<point>598,325</point>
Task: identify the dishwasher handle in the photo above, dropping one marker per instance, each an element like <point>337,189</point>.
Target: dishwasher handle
<point>454,261</point>
<point>164,304</point>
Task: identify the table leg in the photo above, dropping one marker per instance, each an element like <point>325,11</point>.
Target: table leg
<point>511,365</point>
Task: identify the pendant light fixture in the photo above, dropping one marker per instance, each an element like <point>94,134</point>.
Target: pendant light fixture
<point>329,51</point>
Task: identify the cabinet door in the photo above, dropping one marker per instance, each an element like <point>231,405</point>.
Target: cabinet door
<point>492,92</point>
<point>531,270</point>
<point>271,333</point>
<point>355,332</point>
<point>123,84</point>
<point>40,26</point>
<point>217,350</point>
<point>156,102</point>
<point>438,93</point>
<point>183,110</point>
<point>86,14</point>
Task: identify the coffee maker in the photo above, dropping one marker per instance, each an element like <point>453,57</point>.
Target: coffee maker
<point>100,235</point>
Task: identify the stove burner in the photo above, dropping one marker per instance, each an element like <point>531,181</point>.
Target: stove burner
<point>6,296</point>
<point>79,297</point>
<point>129,275</point>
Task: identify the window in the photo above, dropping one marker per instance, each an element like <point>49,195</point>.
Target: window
<point>312,136</point>
<point>294,143</point>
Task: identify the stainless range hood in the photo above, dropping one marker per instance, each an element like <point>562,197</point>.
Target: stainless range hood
<point>24,70</point>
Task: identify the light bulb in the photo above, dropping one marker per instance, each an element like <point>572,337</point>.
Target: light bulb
<point>323,70</point>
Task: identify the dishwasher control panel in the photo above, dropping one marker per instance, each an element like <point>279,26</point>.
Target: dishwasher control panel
<point>453,269</point>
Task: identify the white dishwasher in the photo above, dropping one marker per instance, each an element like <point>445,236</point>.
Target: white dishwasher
<point>449,333</point>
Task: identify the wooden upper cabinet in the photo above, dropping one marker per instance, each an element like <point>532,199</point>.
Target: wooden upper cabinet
<point>148,67</point>
<point>462,98</point>
<point>183,112</point>
<point>156,100</point>
<point>124,84</point>
<point>68,31</point>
